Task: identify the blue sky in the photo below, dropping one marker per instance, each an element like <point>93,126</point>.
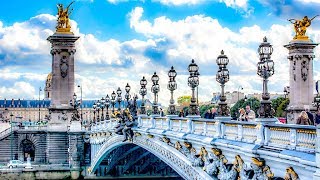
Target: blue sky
<point>121,41</point>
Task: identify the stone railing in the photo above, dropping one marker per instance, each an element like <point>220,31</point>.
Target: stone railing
<point>262,132</point>
<point>295,137</point>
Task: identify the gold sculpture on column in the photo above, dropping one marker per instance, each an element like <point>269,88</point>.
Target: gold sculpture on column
<point>63,25</point>
<point>300,27</point>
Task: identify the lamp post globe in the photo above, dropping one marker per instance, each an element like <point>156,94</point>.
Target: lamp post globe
<point>113,100</point>
<point>107,107</point>
<point>265,69</point>
<point>94,107</point>
<point>143,92</point>
<point>222,77</point>
<point>155,89</point>
<point>193,82</point>
<point>172,85</point>
<point>127,95</point>
<point>102,106</point>
<point>119,98</point>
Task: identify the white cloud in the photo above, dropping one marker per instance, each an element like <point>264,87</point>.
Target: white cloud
<point>309,1</point>
<point>180,2</point>
<point>102,66</point>
<point>22,90</point>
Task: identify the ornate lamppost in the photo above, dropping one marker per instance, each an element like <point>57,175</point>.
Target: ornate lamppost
<point>155,89</point>
<point>94,107</point>
<point>102,106</point>
<point>107,107</point>
<point>75,104</point>
<point>265,70</point>
<point>193,82</point>
<point>127,95</point>
<point>98,109</point>
<point>143,92</point>
<point>286,91</point>
<point>172,85</point>
<point>113,100</point>
<point>222,77</point>
<point>119,98</point>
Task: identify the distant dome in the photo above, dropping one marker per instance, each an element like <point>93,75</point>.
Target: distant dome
<point>49,78</point>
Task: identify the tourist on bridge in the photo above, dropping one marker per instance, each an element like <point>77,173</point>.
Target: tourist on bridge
<point>310,115</point>
<point>161,113</point>
<point>317,117</point>
<point>213,113</point>
<point>250,115</point>
<point>208,114</point>
<point>181,113</point>
<point>303,119</point>
<point>242,115</point>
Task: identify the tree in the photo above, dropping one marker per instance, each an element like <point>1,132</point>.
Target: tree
<point>184,101</point>
<point>280,112</point>
<point>204,108</point>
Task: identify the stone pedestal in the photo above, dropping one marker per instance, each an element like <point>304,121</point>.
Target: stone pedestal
<point>301,77</point>
<point>62,51</point>
<point>75,151</point>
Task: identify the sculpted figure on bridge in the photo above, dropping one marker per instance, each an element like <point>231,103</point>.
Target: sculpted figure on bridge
<point>291,174</point>
<point>63,25</point>
<point>300,27</point>
<point>261,171</point>
<point>196,159</point>
<point>129,123</point>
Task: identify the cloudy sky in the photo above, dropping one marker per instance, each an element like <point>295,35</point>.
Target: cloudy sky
<point>121,41</point>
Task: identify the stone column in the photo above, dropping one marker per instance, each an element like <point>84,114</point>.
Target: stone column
<point>62,51</point>
<point>301,76</point>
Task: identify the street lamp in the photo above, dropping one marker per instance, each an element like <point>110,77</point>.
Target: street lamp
<point>265,70</point>
<point>39,102</point>
<point>286,91</point>
<point>119,97</point>
<point>127,95</point>
<point>107,106</point>
<point>11,137</point>
<point>193,82</point>
<point>222,77</point>
<point>94,111</point>
<point>102,106</point>
<point>74,103</point>
<point>143,92</point>
<point>113,100</point>
<point>81,101</point>
<point>240,87</point>
<point>98,109</point>
<point>155,89</point>
<point>172,85</point>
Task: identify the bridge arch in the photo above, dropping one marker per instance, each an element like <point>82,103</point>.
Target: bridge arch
<point>167,154</point>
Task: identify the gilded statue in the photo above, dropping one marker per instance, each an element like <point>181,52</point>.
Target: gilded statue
<point>300,27</point>
<point>63,25</point>
<point>291,174</point>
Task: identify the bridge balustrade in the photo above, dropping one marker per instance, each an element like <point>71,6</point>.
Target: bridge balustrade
<point>292,137</point>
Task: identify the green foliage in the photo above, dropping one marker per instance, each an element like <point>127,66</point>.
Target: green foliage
<point>184,101</point>
<point>253,102</point>
<point>276,102</point>
<point>280,111</point>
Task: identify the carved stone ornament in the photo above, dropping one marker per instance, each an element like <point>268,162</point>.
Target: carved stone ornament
<point>64,66</point>
<point>293,70</point>
<point>304,70</point>
<point>291,174</point>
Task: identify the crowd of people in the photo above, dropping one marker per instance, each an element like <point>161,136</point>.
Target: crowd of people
<point>308,118</point>
<point>210,114</point>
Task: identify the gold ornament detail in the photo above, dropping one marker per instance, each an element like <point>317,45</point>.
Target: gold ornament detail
<point>291,174</point>
<point>63,25</point>
<point>300,27</point>
<point>150,136</point>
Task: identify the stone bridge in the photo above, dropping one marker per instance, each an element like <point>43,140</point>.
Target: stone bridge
<point>198,148</point>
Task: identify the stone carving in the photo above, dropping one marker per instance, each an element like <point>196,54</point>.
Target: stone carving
<point>64,66</point>
<point>300,27</point>
<point>63,116</point>
<point>261,171</point>
<point>75,116</point>
<point>291,174</point>
<point>293,70</point>
<point>196,159</point>
<point>166,140</point>
<point>304,70</point>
